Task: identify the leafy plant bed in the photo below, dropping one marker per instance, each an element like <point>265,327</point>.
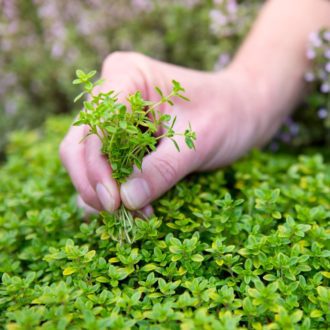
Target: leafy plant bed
<point>243,248</point>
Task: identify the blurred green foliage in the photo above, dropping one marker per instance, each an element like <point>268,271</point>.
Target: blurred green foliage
<point>244,248</point>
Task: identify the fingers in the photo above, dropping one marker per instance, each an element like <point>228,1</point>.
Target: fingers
<point>114,73</point>
<point>72,154</point>
<point>161,170</point>
<point>125,73</point>
<point>88,168</point>
<point>86,208</point>
<point>99,175</point>
<point>148,211</point>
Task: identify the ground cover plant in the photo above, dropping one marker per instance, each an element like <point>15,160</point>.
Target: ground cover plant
<point>244,248</point>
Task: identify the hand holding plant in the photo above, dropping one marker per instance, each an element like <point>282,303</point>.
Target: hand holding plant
<point>127,134</point>
<point>221,113</point>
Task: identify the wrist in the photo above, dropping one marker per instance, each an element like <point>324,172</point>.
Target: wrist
<point>272,59</point>
<point>259,118</point>
<point>260,100</point>
<point>237,104</point>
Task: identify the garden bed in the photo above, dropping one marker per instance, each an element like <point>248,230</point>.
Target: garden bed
<point>242,248</point>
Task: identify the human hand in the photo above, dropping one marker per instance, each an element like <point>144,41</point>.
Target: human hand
<point>222,112</point>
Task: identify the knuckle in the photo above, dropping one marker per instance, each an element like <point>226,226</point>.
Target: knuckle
<point>111,58</point>
<point>167,169</point>
<point>123,58</point>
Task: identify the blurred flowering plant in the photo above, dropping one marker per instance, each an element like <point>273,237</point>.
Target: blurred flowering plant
<point>41,43</point>
<point>319,52</point>
<point>310,125</point>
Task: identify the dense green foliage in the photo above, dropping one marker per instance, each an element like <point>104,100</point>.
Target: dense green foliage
<point>244,248</point>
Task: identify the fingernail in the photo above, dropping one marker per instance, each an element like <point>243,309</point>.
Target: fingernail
<point>105,197</point>
<point>148,211</point>
<point>136,193</point>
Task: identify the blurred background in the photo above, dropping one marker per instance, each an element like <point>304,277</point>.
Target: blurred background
<point>43,42</point>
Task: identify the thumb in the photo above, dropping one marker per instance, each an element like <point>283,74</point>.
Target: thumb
<point>161,170</point>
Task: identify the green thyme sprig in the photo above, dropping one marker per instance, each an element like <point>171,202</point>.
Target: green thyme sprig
<point>128,133</point>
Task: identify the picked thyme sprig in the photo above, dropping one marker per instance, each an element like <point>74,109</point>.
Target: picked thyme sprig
<point>128,133</point>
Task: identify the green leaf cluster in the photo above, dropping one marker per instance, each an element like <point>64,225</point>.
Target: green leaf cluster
<point>243,248</point>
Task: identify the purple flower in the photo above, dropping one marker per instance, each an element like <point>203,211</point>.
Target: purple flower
<point>315,39</point>
<point>57,50</point>
<point>326,35</point>
<point>232,6</point>
<point>322,113</point>
<point>217,17</point>
<point>10,107</point>
<point>323,75</point>
<point>285,137</point>
<point>310,53</point>
<point>222,61</point>
<point>218,20</point>
<point>294,129</point>
<point>327,67</point>
<point>191,3</point>
<point>325,88</point>
<point>327,53</point>
<point>309,76</point>
<point>142,5</point>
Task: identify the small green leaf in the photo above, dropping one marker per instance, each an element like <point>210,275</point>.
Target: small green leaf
<point>197,258</point>
<point>158,90</point>
<point>176,145</point>
<point>149,267</point>
<point>81,74</point>
<point>91,74</point>
<point>69,270</point>
<point>88,106</point>
<point>102,279</point>
<point>316,313</point>
<point>123,124</point>
<point>189,142</point>
<point>78,97</point>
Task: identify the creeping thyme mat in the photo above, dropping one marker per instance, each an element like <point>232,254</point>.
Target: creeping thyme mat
<point>244,248</point>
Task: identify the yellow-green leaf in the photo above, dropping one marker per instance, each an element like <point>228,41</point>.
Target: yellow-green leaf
<point>149,267</point>
<point>102,279</point>
<point>69,270</point>
<point>89,255</point>
<point>326,274</point>
<point>197,258</point>
<point>105,236</point>
<point>315,313</point>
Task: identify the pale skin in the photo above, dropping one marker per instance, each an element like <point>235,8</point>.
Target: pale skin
<point>231,111</point>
